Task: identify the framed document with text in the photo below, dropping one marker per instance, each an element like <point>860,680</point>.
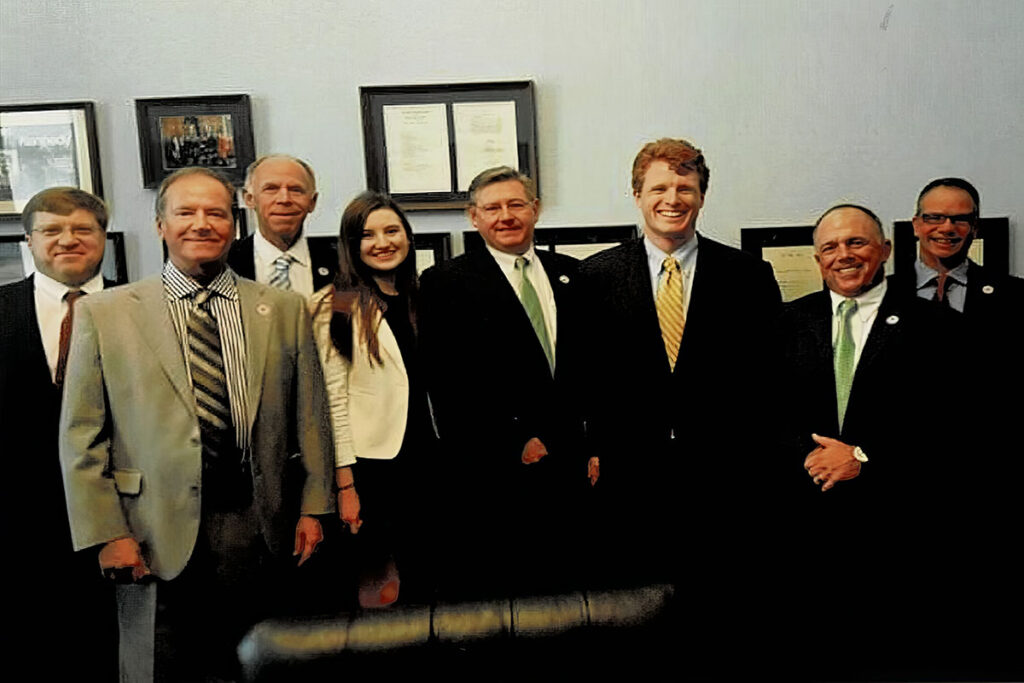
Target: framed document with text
<point>790,252</point>
<point>425,143</point>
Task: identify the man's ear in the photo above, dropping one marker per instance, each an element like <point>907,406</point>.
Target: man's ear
<point>886,250</point>
<point>471,215</point>
<point>250,199</point>
<point>312,201</point>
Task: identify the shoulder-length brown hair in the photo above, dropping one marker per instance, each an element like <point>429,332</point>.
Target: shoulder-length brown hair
<point>356,290</point>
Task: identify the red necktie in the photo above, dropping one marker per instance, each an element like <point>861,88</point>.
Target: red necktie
<point>71,297</point>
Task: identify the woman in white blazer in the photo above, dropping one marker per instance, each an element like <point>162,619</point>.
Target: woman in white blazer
<point>365,329</point>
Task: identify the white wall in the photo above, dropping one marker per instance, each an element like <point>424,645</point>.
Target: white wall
<point>797,103</point>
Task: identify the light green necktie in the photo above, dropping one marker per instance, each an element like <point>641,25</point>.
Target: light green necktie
<point>531,302</point>
<point>843,356</point>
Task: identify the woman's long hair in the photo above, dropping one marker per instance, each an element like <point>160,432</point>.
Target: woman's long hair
<point>356,290</point>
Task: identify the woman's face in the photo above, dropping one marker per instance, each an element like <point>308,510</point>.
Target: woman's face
<point>384,245</point>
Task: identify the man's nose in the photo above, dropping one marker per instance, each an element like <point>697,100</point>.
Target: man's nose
<point>283,196</point>
<point>671,195</point>
<point>67,237</point>
<point>505,213</point>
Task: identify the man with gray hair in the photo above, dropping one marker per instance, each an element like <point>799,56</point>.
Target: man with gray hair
<point>187,395</point>
<point>281,189</point>
<point>498,330</point>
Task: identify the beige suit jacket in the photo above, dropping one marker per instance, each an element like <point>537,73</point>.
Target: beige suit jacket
<point>129,445</point>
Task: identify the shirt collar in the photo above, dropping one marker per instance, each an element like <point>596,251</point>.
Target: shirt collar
<point>267,252</point>
<point>177,285</point>
<point>866,302</point>
<point>506,261</point>
<point>685,254</point>
<point>926,274</point>
<point>56,290</point>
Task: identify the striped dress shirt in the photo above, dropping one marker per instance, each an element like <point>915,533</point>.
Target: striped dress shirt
<point>180,290</point>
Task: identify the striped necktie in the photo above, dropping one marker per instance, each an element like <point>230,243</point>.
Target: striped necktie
<point>209,382</point>
<point>279,277</point>
<point>843,356</point>
<point>531,302</point>
<point>669,303</point>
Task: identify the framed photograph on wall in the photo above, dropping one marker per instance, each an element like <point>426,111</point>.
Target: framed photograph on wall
<point>46,145</point>
<point>213,131</point>
<point>425,143</point>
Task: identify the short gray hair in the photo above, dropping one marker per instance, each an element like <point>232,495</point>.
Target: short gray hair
<point>286,157</point>
<point>500,174</point>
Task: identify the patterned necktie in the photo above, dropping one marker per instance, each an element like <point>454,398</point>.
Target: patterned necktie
<point>531,302</point>
<point>71,296</point>
<point>209,383</point>
<point>670,309</point>
<point>279,278</point>
<point>843,357</point>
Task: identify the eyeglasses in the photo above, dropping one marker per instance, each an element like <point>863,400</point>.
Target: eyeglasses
<point>514,206</point>
<point>79,231</point>
<point>962,219</point>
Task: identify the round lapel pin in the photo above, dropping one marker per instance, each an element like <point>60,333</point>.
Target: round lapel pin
<point>892,320</point>
<point>263,309</point>
<point>988,289</point>
<point>322,271</point>
<point>564,279</point>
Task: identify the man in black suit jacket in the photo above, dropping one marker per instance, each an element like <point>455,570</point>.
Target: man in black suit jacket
<point>66,233</point>
<point>498,331</point>
<point>281,190</point>
<point>668,417</point>
<point>873,536</point>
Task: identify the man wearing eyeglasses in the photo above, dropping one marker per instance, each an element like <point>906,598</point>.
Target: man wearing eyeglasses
<point>946,223</point>
<point>65,229</point>
<point>496,327</point>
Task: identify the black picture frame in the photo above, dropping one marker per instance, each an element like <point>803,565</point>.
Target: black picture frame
<point>796,276</point>
<point>115,266</point>
<point>215,131</point>
<point>374,99</point>
<point>562,239</point>
<point>46,145</point>
<point>993,232</point>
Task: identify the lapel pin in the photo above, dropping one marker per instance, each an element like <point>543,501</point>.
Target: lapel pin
<point>892,320</point>
<point>988,289</point>
<point>263,309</point>
<point>322,271</point>
<point>564,279</point>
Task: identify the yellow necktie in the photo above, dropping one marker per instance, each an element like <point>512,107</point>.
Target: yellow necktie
<point>670,308</point>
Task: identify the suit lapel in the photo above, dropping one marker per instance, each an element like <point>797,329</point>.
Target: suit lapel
<point>256,318</point>
<point>640,297</point>
<point>150,314</point>
<point>35,355</point>
<point>888,323</point>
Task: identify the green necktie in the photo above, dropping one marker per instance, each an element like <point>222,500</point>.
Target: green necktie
<point>843,357</point>
<point>531,303</point>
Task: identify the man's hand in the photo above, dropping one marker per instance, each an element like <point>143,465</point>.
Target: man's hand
<point>307,535</point>
<point>533,451</point>
<point>120,554</point>
<point>594,470</point>
<point>348,509</point>
<point>830,462</point>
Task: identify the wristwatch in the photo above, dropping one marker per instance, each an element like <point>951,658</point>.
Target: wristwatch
<point>859,454</point>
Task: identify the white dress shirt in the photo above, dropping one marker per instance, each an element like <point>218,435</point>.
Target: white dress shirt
<point>51,309</point>
<point>301,271</point>
<point>862,320</point>
<point>539,280</point>
<point>686,255</point>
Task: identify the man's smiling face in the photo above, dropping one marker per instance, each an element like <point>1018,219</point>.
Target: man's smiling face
<point>670,203</point>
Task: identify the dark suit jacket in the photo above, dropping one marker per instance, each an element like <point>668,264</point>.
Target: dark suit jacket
<point>893,412</point>
<point>489,380</point>
<point>322,256</point>
<point>35,512</point>
<point>637,403</point>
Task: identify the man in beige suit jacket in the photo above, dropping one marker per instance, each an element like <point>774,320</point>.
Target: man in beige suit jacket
<point>136,458</point>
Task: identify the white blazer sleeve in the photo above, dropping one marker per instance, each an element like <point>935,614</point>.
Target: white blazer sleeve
<point>336,371</point>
